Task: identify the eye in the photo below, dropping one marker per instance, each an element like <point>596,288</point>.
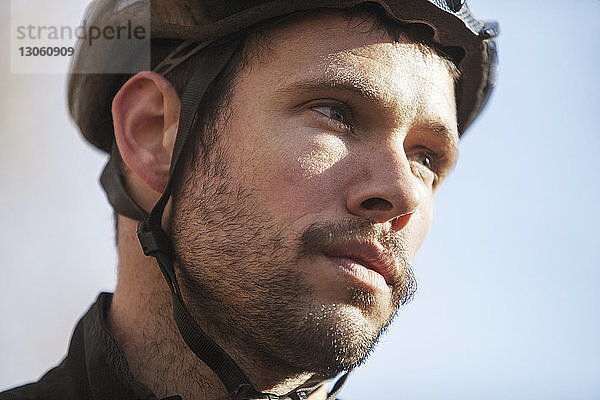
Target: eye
<point>425,165</point>
<point>425,160</point>
<point>337,116</point>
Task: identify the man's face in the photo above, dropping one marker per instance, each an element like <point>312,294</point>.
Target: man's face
<point>294,236</point>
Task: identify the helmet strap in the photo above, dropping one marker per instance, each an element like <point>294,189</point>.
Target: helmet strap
<point>155,243</point>
<point>112,182</point>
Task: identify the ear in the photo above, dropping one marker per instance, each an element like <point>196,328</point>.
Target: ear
<point>145,116</point>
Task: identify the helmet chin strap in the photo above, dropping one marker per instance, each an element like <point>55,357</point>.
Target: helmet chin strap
<point>155,243</point>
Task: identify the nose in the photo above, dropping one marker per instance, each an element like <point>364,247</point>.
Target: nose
<point>386,190</point>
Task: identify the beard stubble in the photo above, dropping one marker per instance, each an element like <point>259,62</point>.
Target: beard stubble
<point>239,275</point>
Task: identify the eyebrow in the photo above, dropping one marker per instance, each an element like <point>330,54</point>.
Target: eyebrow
<point>442,130</point>
<point>366,90</point>
<point>352,84</point>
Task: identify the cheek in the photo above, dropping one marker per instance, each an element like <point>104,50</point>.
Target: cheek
<point>419,225</point>
<point>304,177</point>
<point>319,156</point>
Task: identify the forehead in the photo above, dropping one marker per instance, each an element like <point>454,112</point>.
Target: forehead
<point>353,53</point>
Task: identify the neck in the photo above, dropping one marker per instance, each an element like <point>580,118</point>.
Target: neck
<point>141,320</point>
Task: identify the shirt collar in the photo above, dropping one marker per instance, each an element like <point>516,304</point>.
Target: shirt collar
<point>95,352</point>
<point>106,367</point>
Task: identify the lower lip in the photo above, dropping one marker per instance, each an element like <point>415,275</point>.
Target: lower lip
<point>358,272</point>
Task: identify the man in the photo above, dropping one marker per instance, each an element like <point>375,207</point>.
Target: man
<point>283,170</point>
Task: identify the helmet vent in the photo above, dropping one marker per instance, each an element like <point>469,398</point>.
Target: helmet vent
<point>455,5</point>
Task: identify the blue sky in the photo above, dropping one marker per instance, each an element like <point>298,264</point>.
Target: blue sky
<point>508,301</point>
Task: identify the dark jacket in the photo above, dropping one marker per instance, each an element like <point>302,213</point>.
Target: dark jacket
<point>94,368</point>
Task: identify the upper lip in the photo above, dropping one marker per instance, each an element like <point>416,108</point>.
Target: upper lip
<point>370,254</point>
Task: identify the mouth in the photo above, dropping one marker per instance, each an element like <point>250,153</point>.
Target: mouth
<point>368,263</point>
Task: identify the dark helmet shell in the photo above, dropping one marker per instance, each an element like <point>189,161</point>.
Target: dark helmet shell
<point>90,94</point>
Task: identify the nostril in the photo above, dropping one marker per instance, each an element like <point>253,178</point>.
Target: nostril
<point>376,204</point>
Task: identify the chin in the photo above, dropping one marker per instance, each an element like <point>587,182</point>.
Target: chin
<point>339,337</point>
